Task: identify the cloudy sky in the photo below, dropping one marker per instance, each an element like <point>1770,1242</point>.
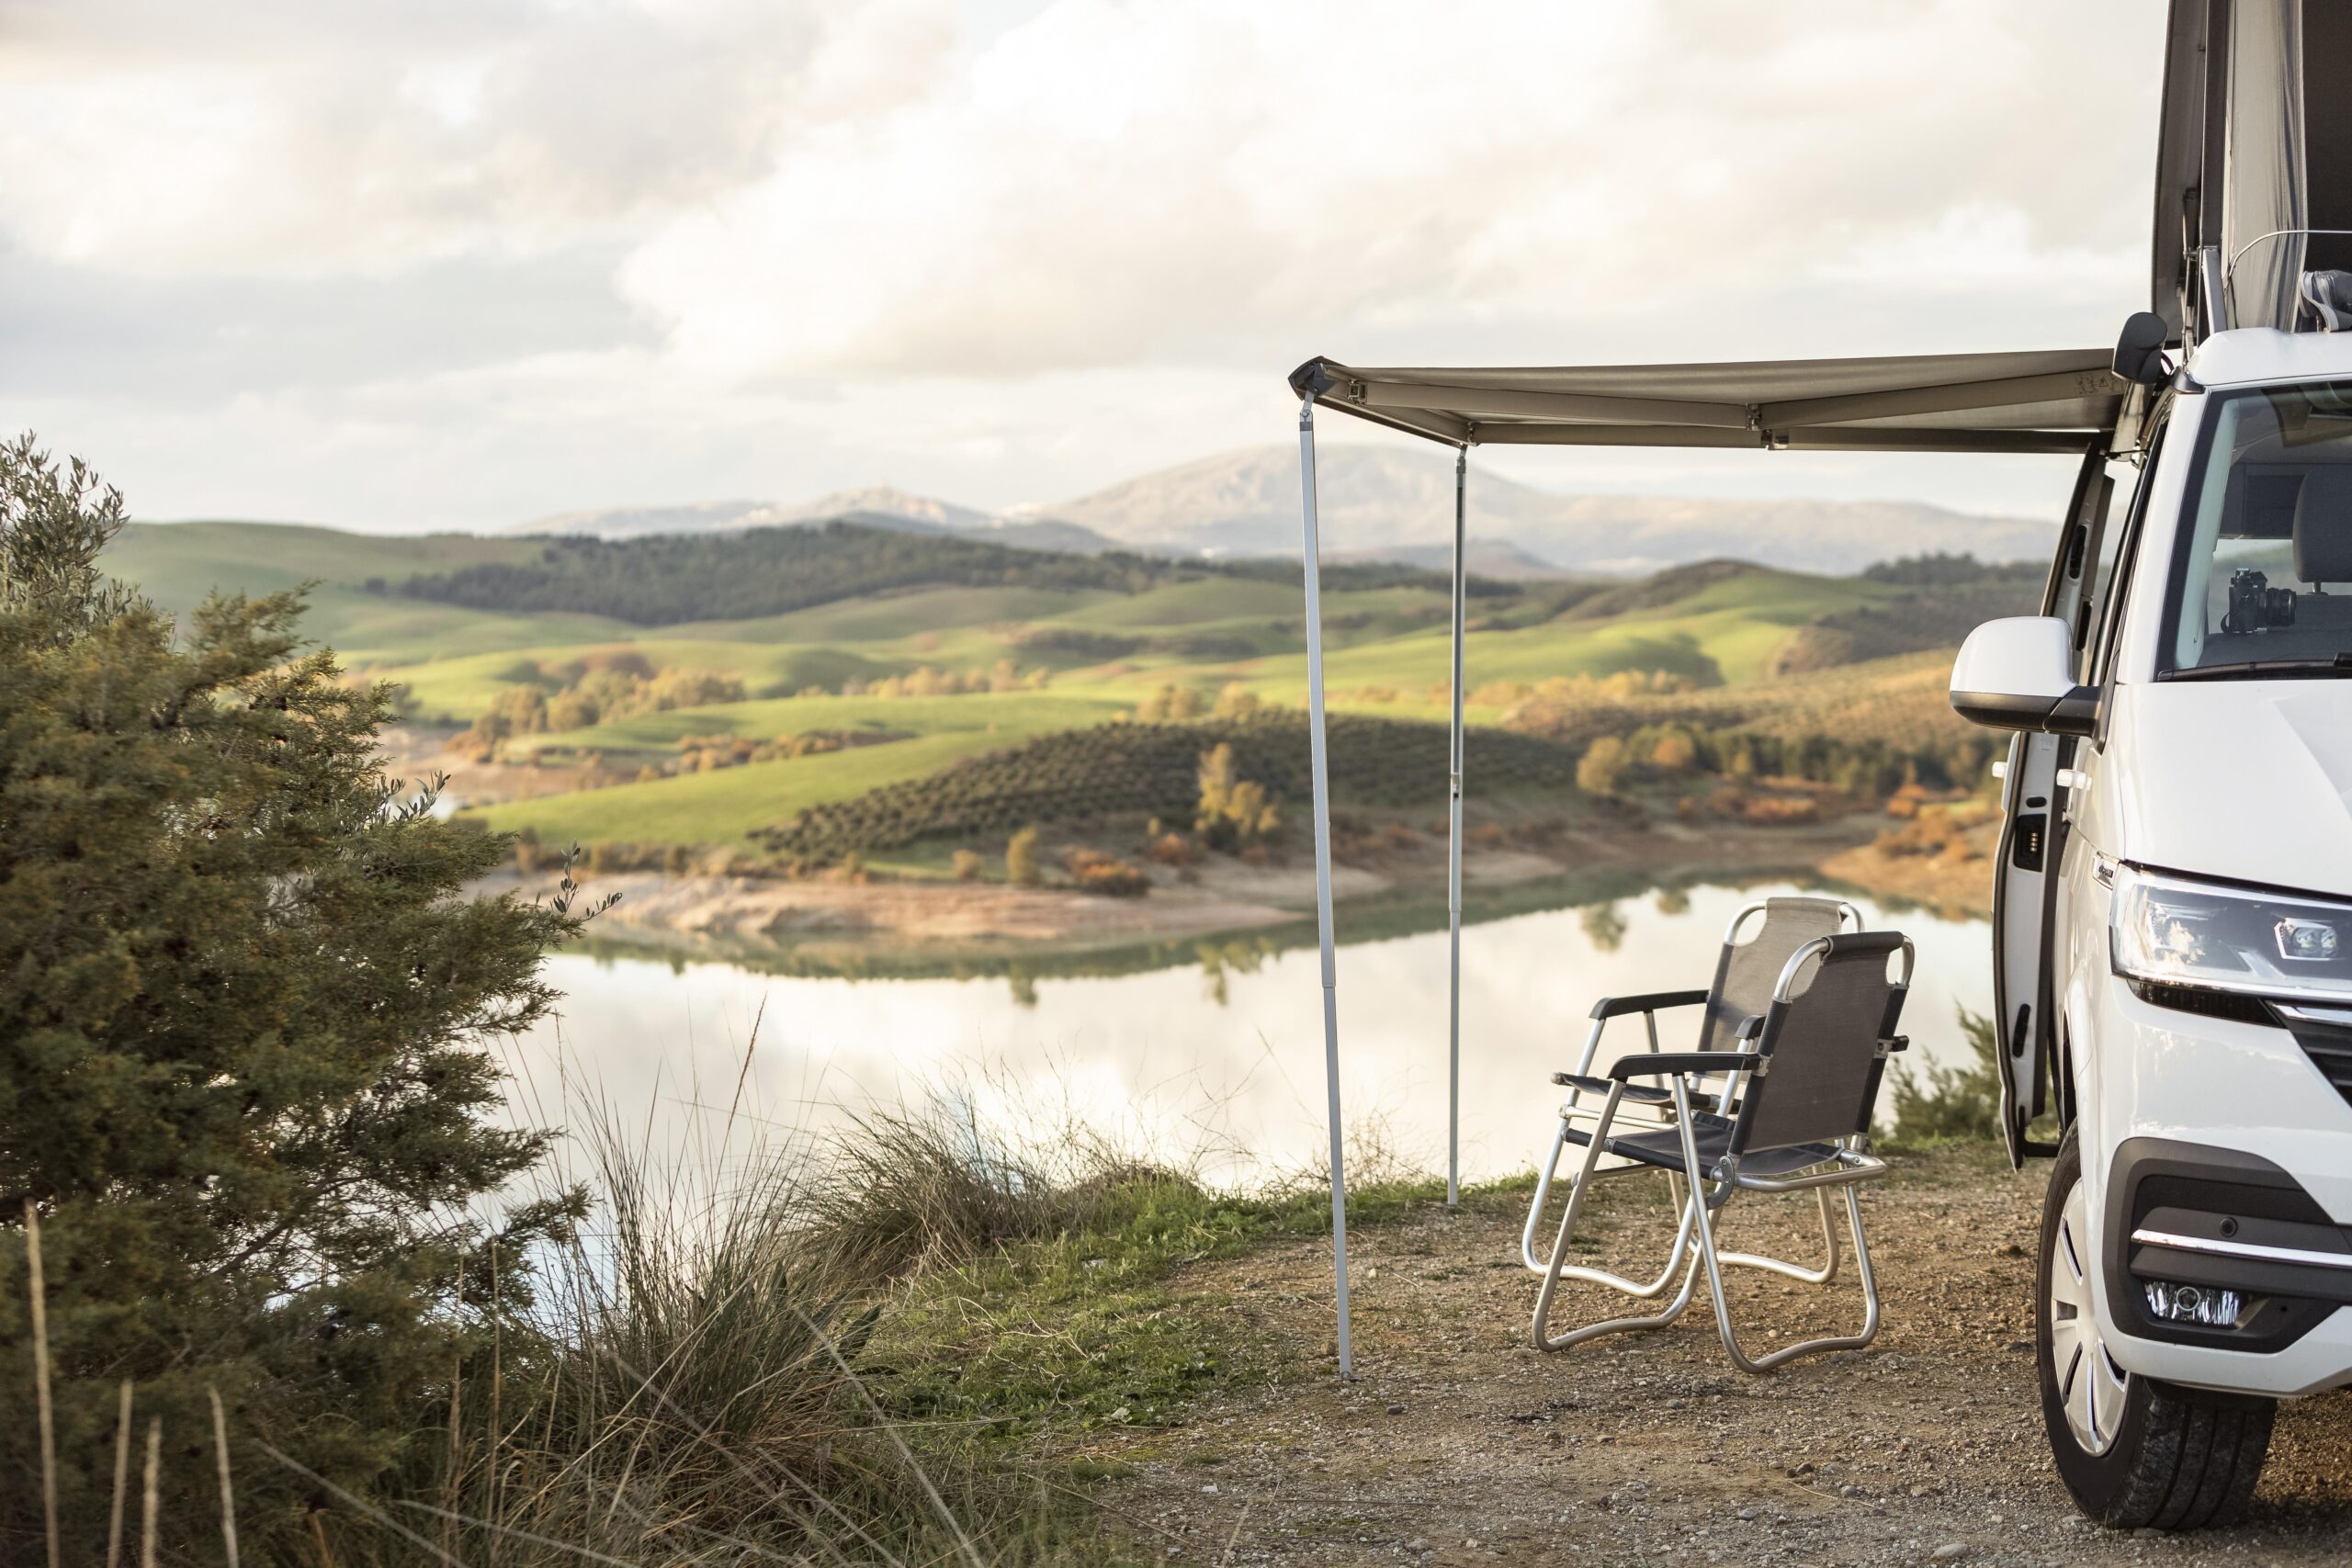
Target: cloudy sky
<point>463,261</point>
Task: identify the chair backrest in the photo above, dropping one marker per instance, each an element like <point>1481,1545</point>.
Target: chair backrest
<point>1748,971</point>
<point>1823,1039</point>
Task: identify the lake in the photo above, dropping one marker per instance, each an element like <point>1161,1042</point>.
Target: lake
<point>1217,1061</point>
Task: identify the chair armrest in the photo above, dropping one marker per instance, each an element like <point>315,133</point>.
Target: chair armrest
<point>1649,1001</point>
<point>1639,1093</point>
<point>1676,1063</point>
<point>1749,1027</point>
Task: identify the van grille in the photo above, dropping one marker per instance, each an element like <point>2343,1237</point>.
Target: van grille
<point>2328,1044</point>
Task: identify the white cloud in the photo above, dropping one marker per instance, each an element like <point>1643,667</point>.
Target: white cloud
<point>1005,249</point>
<point>253,137</point>
<point>1222,181</point>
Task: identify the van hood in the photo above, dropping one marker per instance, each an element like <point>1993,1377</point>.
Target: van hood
<point>2248,780</point>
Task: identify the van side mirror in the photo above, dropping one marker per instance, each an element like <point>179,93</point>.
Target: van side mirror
<point>2019,673</point>
<point>2140,350</point>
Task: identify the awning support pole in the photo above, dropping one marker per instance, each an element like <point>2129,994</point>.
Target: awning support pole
<point>1454,860</point>
<point>1320,768</point>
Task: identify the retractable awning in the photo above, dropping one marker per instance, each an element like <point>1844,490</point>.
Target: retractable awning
<point>2047,400</point>
<point>2058,400</point>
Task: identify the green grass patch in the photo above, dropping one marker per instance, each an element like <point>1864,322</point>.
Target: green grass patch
<point>1090,1329</point>
<point>727,807</point>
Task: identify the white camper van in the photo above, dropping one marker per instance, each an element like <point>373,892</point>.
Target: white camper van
<point>2175,901</point>
<point>2173,908</point>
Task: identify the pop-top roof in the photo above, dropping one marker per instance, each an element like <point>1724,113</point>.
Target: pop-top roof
<point>2054,400</point>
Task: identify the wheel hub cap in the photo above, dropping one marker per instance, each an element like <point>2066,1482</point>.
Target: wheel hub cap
<point>2090,1385</point>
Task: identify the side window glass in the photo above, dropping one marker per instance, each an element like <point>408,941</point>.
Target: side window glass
<point>2114,572</point>
<point>2098,574</point>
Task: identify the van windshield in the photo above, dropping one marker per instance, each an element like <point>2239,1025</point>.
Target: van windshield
<point>2262,578</point>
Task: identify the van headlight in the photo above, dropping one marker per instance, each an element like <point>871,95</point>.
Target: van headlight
<point>2168,931</point>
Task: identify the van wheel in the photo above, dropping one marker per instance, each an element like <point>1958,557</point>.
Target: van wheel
<point>2134,1452</point>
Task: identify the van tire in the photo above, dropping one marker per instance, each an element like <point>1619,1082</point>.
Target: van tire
<point>2181,1459</point>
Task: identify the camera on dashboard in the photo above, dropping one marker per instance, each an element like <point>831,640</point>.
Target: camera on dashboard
<point>2255,606</point>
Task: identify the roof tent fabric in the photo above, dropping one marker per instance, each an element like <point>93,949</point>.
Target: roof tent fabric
<point>2056,400</point>
<point>2191,142</point>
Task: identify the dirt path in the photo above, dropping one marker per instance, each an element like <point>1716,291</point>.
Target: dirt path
<point>1458,1444</point>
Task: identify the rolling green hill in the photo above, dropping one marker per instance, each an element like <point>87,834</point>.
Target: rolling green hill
<point>1005,650</point>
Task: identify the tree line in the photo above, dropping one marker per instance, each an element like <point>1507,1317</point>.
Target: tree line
<point>668,579</point>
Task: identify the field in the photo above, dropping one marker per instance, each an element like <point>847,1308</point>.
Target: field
<point>712,732</point>
<point>728,805</point>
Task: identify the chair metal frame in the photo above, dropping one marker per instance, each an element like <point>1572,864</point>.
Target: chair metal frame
<point>1649,1005</point>
<point>1710,1188</point>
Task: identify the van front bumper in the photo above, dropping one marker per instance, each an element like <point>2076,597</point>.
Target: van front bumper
<point>2231,1171</point>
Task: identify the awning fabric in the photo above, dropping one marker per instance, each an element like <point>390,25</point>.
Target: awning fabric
<point>2056,400</point>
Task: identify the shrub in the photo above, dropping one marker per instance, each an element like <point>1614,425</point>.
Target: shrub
<point>1171,703</point>
<point>1781,811</point>
<point>245,1087</point>
<point>1233,811</point>
<point>929,1185</point>
<point>1602,766</point>
<point>1172,849</point>
<point>968,866</point>
<point>1105,875</point>
<point>1021,858</point>
<point>1937,1102</point>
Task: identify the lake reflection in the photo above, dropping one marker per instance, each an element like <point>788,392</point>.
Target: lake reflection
<point>1223,1055</point>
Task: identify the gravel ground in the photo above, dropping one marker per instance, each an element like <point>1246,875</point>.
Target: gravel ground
<point>1459,1444</point>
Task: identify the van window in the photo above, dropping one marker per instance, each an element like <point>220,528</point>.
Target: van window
<point>2118,551</point>
<point>2261,580</point>
<point>2108,539</point>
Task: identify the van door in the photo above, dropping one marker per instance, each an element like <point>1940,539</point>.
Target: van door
<point>2025,881</point>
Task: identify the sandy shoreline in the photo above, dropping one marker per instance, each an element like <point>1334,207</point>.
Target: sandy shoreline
<point>944,918</point>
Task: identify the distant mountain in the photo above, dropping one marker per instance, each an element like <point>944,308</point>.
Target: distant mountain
<point>1398,503</point>
<point>877,504</point>
<point>1382,504</point>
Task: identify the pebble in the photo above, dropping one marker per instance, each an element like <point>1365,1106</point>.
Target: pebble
<point>1950,1550</point>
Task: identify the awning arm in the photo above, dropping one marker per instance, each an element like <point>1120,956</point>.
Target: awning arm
<point>1320,771</point>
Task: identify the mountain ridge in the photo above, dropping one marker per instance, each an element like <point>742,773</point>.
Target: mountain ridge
<point>1380,502</point>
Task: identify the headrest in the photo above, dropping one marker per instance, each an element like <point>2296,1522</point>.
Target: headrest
<point>2324,525</point>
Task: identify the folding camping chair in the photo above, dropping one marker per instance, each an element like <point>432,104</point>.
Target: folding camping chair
<point>1801,1091</point>
<point>1746,972</point>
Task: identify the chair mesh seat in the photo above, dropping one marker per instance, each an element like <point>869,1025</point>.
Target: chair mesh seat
<point>1713,1136</point>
